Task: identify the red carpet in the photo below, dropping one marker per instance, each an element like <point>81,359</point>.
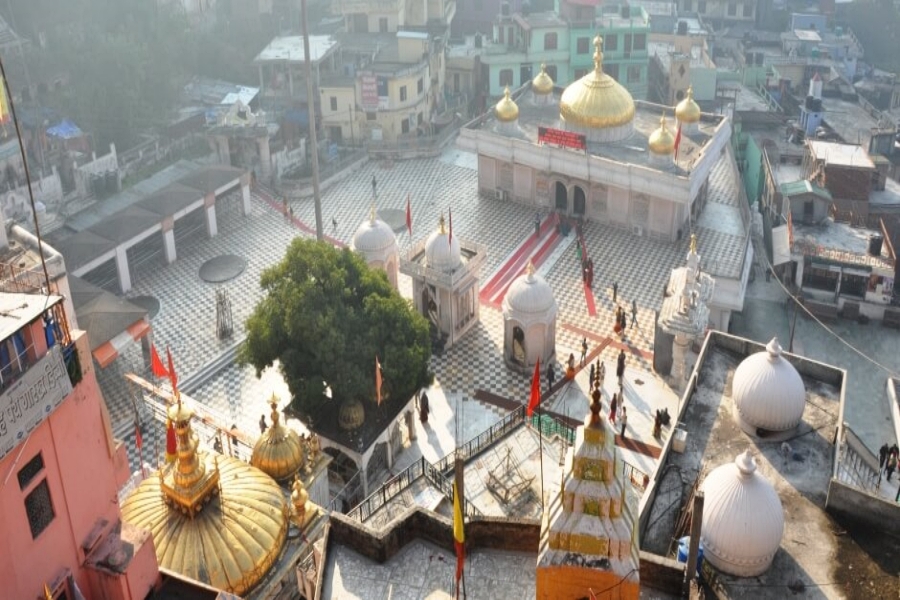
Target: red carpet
<point>589,299</point>
<point>279,207</point>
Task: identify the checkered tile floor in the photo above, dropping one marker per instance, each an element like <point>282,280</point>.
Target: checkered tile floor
<point>186,321</point>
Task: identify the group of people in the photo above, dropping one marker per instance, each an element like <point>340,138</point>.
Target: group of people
<point>587,264</point>
<point>618,415</point>
<point>887,459</point>
<point>622,318</point>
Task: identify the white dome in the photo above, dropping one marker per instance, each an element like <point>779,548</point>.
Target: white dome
<point>374,235</point>
<point>743,519</point>
<point>768,391</point>
<point>531,294</point>
<point>440,253</point>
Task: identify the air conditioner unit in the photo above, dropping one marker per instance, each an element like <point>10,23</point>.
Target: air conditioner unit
<point>637,230</point>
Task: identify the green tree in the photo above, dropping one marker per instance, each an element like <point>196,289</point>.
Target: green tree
<point>325,317</point>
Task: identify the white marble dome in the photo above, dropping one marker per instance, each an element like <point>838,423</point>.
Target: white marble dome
<point>768,392</point>
<point>441,253</point>
<point>743,520</point>
<point>530,294</point>
<point>374,235</point>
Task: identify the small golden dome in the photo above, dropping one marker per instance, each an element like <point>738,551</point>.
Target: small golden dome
<point>278,452</point>
<point>687,110</point>
<point>351,415</point>
<point>542,83</point>
<point>506,110</point>
<point>661,141</point>
<point>596,100</point>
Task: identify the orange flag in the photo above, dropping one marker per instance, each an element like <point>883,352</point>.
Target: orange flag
<point>677,140</point>
<point>4,104</point>
<point>156,364</point>
<point>535,398</point>
<point>408,216</point>
<point>377,381</point>
<point>459,534</point>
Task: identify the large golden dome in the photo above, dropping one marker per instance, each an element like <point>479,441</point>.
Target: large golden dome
<point>661,141</point>
<point>279,452</point>
<point>688,111</point>
<point>214,519</point>
<point>596,100</point>
<point>506,110</point>
<point>542,83</point>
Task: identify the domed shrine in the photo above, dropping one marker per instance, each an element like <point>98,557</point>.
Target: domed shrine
<point>589,531</point>
<point>279,452</point>
<point>542,87</point>
<point>506,110</point>
<point>445,271</point>
<point>529,321</point>
<point>769,396</point>
<point>688,113</point>
<point>743,520</point>
<point>661,144</point>
<point>376,242</point>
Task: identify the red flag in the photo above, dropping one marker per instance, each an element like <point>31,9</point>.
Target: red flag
<point>677,140</point>
<point>173,377</point>
<point>377,381</point>
<point>459,534</point>
<point>450,236</point>
<point>408,216</point>
<point>156,364</point>
<point>535,398</point>
<point>138,440</point>
<point>171,444</point>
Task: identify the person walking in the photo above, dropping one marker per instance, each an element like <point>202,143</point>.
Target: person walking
<point>584,349</point>
<point>620,366</point>
<point>891,465</point>
<point>623,421</point>
<point>578,252</point>
<point>551,375</point>
<point>570,367</point>
<point>537,224</point>
<point>633,312</point>
<point>613,406</point>
<point>262,424</point>
<point>374,186</point>
<point>882,456</point>
<point>423,408</point>
<point>601,373</point>
<point>615,291</point>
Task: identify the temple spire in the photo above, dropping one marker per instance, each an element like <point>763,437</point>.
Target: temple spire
<point>598,54</point>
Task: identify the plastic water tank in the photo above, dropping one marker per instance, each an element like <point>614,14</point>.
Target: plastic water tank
<point>875,242</point>
<point>684,547</point>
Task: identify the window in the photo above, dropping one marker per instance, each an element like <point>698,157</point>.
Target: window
<point>634,73</point>
<point>456,83</point>
<point>404,126</point>
<point>420,86</point>
<point>333,103</point>
<point>612,71</point>
<point>701,7</point>
<point>584,45</point>
<point>611,42</point>
<point>732,9</point>
<point>506,76</point>
<point>39,508</point>
<point>579,73</point>
<point>551,71</point>
<point>550,41</point>
<point>420,118</point>
<point>383,25</point>
<point>640,42</point>
<point>370,116</point>
<point>748,9</point>
<point>30,470</point>
<point>688,5</point>
<point>402,93</point>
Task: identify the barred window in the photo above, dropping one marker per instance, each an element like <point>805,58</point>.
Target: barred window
<point>39,508</point>
<point>30,470</point>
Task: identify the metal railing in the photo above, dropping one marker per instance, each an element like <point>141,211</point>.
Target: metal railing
<point>481,442</point>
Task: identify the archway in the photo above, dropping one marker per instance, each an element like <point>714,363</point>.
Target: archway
<point>518,346</point>
<point>562,197</point>
<point>579,203</point>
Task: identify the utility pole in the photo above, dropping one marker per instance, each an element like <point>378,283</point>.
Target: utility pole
<point>311,106</point>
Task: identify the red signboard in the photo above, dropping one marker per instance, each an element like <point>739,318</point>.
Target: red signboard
<point>567,139</point>
<point>368,85</point>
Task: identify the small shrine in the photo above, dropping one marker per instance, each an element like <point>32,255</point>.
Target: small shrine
<point>376,242</point>
<point>279,452</point>
<point>529,322</point>
<point>445,271</point>
<point>589,532</point>
<point>685,312</point>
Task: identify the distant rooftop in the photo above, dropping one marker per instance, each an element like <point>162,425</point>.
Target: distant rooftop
<point>841,243</point>
<point>290,49</point>
<point>845,155</point>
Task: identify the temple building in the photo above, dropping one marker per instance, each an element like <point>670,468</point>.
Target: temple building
<point>529,321</point>
<point>445,273</point>
<point>591,152</point>
<point>279,452</point>
<point>376,242</point>
<point>589,531</point>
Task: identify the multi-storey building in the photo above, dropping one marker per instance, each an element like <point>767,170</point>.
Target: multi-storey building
<point>721,11</point>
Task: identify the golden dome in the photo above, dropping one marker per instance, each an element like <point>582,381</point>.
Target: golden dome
<point>279,452</point>
<point>687,110</point>
<point>596,100</point>
<point>661,141</point>
<point>214,519</point>
<point>351,415</point>
<point>542,83</point>
<point>506,110</point>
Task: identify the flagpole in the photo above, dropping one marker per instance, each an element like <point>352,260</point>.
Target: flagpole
<point>541,454</point>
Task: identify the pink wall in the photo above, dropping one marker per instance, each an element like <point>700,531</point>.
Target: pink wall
<point>79,469</point>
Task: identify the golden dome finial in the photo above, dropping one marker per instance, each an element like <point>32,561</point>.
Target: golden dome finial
<point>688,111</point>
<point>693,243</point>
<point>529,268</point>
<point>662,122</point>
<point>372,213</point>
<point>598,54</point>
<point>506,110</point>
<point>273,402</point>
<point>542,84</point>
<point>661,141</point>
<point>441,222</point>
<point>187,483</point>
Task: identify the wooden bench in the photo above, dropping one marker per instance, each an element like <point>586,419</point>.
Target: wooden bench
<point>827,312</point>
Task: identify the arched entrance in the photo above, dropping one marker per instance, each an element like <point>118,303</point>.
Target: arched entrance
<point>562,197</point>
<point>579,204</point>
<point>518,346</point>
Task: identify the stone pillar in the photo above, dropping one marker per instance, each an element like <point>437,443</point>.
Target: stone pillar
<point>411,424</point>
<point>209,205</point>
<point>245,194</point>
<point>679,358</point>
<point>222,150</point>
<point>265,157</point>
<point>390,451</point>
<point>122,269</point>
<point>364,476</point>
<point>168,233</point>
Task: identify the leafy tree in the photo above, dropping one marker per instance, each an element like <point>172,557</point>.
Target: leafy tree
<point>325,317</point>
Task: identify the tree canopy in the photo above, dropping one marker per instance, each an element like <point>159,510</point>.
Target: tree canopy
<point>325,317</point>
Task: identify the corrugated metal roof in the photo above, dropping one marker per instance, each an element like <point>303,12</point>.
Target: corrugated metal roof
<point>796,188</point>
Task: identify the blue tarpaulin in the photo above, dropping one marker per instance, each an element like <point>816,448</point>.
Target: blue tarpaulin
<point>65,130</point>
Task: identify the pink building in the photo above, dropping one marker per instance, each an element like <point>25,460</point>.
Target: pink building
<point>60,468</point>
